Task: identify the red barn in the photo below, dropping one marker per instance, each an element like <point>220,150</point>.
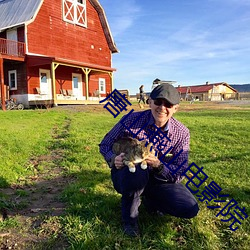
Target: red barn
<point>56,52</point>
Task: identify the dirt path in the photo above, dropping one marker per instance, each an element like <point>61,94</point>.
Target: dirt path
<point>184,106</point>
<point>34,203</point>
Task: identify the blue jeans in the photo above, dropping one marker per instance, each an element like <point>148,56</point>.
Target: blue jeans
<point>168,198</point>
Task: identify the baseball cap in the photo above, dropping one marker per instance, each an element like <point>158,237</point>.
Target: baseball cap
<point>166,91</point>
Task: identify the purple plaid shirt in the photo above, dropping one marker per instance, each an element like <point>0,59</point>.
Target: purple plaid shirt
<point>140,125</point>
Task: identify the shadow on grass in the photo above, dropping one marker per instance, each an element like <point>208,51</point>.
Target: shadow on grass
<point>94,220</point>
<point>3,183</point>
<point>235,156</point>
<point>216,113</point>
<point>240,195</point>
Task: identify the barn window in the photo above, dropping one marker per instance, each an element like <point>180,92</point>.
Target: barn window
<point>74,11</point>
<point>12,80</point>
<point>43,77</point>
<point>102,86</point>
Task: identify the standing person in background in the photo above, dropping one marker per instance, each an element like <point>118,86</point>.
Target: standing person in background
<point>142,98</point>
<point>156,82</point>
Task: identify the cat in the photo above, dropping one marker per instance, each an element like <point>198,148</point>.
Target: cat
<point>135,151</point>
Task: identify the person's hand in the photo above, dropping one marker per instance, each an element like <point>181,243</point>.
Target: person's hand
<point>153,161</point>
<point>119,161</point>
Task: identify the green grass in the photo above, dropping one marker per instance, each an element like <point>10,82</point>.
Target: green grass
<point>219,144</point>
<point>24,135</point>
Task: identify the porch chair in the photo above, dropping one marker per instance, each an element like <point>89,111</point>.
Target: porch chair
<point>70,92</point>
<point>38,93</point>
<point>64,93</point>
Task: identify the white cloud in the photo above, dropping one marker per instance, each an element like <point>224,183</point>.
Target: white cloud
<point>122,15</point>
<point>192,45</point>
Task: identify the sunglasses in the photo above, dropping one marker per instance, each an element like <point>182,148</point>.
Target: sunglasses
<point>159,102</point>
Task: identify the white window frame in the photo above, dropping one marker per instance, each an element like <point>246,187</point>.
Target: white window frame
<point>75,12</point>
<point>15,75</point>
<point>102,83</point>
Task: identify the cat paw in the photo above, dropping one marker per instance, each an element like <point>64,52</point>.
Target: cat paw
<point>132,170</point>
<point>144,166</point>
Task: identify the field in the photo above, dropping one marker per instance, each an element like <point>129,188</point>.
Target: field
<point>56,192</point>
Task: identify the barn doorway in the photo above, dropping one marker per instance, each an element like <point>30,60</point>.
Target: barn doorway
<point>77,85</point>
<point>45,83</point>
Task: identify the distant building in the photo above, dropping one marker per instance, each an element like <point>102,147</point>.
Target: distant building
<point>207,92</point>
<point>157,82</point>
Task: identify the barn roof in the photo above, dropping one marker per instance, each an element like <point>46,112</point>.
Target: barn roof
<point>202,88</point>
<point>18,12</point>
<point>105,25</point>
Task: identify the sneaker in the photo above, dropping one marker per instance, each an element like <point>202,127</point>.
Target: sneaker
<point>131,230</point>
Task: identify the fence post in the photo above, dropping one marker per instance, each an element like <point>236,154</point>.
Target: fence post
<point>2,84</point>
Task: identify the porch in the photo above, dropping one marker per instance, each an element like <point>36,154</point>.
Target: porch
<point>11,49</point>
<point>66,97</point>
<point>50,103</point>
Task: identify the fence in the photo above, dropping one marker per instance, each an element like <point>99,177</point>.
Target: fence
<point>218,96</point>
<point>244,96</point>
<point>125,92</point>
<point>12,48</point>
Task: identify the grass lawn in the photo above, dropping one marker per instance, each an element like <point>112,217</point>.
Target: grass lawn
<point>219,144</point>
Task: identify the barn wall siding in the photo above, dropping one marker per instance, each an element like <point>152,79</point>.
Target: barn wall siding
<point>50,35</point>
<point>94,84</point>
<point>63,77</point>
<point>21,77</point>
<point>33,79</point>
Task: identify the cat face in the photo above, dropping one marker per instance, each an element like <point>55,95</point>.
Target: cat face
<point>144,148</point>
<point>135,151</point>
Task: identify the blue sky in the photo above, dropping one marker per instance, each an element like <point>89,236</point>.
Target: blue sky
<point>188,41</point>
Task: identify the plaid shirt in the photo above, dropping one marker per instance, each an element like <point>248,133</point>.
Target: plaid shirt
<point>140,125</point>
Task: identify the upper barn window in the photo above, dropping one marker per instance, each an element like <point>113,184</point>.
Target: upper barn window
<point>74,11</point>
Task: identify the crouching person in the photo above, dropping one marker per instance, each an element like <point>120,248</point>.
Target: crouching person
<point>158,186</point>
